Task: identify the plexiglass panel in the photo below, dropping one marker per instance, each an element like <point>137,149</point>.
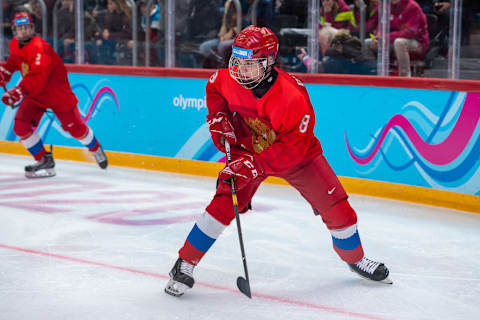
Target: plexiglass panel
<point>419,38</point>
<point>109,32</point>
<point>469,67</point>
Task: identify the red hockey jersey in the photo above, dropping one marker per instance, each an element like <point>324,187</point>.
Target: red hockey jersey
<point>44,75</point>
<point>277,128</point>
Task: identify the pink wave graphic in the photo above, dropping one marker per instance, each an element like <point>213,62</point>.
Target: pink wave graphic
<point>441,153</point>
<point>100,92</point>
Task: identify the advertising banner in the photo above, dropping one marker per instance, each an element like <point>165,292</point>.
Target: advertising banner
<point>419,137</point>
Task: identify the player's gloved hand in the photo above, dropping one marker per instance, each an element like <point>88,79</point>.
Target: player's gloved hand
<point>5,76</point>
<point>13,95</point>
<point>242,169</point>
<point>221,129</point>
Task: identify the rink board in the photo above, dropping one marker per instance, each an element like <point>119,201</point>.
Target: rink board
<point>404,136</point>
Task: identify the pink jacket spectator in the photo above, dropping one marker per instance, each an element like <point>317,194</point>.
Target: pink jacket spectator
<point>408,21</point>
<point>343,18</point>
<point>371,20</point>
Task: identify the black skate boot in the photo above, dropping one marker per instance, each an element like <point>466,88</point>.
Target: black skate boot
<point>181,278</point>
<point>44,168</point>
<point>371,270</point>
<point>101,158</point>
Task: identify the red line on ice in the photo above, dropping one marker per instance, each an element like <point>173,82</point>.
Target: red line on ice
<point>208,285</point>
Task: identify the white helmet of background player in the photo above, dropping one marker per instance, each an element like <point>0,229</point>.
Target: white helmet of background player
<point>253,53</point>
<point>22,27</point>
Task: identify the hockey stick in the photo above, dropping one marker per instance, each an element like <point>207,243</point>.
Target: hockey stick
<point>243,284</point>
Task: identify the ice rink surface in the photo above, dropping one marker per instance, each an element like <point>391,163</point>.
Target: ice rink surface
<point>93,244</point>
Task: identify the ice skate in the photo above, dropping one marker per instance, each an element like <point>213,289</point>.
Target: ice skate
<point>43,168</point>
<point>371,270</point>
<point>101,157</point>
<point>181,278</point>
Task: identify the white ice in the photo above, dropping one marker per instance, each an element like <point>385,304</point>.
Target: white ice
<point>93,244</point>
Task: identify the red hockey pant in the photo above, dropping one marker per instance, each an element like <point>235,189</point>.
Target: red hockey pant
<point>30,113</point>
<point>316,182</point>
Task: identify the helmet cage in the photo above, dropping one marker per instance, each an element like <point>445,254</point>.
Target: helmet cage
<point>244,69</point>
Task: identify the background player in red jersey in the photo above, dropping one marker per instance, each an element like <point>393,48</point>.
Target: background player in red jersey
<point>44,85</point>
<point>266,116</point>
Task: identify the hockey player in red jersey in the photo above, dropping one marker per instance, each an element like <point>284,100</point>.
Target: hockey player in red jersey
<point>44,85</point>
<point>266,116</point>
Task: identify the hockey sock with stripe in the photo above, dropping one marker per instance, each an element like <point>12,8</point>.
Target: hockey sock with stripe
<point>202,236</point>
<point>347,244</point>
<point>34,145</point>
<point>90,141</point>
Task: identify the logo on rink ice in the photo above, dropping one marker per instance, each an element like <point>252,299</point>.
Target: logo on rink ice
<point>184,103</point>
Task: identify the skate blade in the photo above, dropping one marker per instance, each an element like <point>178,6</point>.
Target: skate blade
<point>176,288</point>
<point>101,159</point>
<point>386,280</point>
<point>103,164</point>
<point>42,173</point>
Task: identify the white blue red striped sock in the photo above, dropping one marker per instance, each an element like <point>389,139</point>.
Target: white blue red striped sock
<point>90,141</point>
<point>347,244</point>
<point>34,145</point>
<point>202,236</point>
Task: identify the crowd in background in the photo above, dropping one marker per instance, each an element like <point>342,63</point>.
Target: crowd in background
<point>205,29</point>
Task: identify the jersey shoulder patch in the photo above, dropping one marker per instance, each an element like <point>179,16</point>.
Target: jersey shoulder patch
<point>213,77</point>
<point>300,83</point>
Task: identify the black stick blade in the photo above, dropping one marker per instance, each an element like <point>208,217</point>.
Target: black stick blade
<point>244,286</point>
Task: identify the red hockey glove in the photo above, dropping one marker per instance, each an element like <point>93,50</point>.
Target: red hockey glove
<point>13,95</point>
<point>243,170</point>
<point>221,128</point>
<point>5,76</point>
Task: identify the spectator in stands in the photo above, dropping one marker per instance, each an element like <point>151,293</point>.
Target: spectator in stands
<point>334,15</point>
<point>66,32</point>
<point>105,48</point>
<point>35,9</point>
<point>325,38</point>
<point>214,50</point>
<point>441,9</point>
<point>95,6</point>
<point>371,17</point>
<point>155,28</point>
<point>155,16</point>
<point>116,33</point>
<point>343,55</point>
<point>337,14</point>
<point>8,11</point>
<point>408,33</point>
<point>117,19</point>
